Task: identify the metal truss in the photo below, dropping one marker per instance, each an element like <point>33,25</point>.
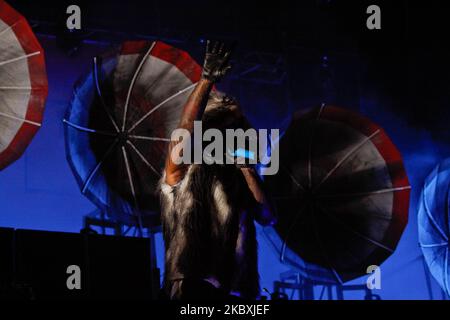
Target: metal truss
<point>292,283</point>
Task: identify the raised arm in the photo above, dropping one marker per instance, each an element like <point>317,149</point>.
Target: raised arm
<point>264,212</point>
<point>215,66</point>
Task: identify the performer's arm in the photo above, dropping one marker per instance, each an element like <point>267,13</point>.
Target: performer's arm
<point>214,68</point>
<point>265,213</point>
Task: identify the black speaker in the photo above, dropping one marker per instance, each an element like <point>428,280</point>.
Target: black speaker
<point>44,263</point>
<point>6,261</point>
<point>119,267</point>
<point>58,265</point>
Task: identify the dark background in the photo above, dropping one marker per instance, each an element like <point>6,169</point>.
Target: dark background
<point>406,60</point>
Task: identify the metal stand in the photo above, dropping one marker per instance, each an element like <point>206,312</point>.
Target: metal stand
<point>292,281</point>
<point>100,219</point>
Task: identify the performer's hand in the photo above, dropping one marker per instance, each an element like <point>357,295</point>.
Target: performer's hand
<point>264,213</point>
<point>217,59</point>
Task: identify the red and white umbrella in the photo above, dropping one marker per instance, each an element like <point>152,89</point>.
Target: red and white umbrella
<point>342,195</point>
<point>120,121</point>
<point>23,84</point>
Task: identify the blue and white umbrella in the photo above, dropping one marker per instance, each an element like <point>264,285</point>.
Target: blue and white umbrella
<point>434,226</point>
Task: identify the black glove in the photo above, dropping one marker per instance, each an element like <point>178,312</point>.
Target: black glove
<point>216,62</point>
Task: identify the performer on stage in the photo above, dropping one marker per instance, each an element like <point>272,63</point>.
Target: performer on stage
<point>208,211</point>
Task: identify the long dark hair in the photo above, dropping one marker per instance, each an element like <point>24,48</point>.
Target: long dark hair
<point>203,220</point>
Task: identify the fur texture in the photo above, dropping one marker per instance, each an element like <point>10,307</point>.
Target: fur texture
<point>209,231</point>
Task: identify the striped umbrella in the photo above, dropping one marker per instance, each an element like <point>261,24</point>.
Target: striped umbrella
<point>341,193</point>
<point>23,85</point>
<point>119,122</point>
<point>434,225</point>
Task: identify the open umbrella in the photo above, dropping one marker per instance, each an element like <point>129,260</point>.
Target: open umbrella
<point>119,122</point>
<point>341,193</point>
<point>23,84</point>
<point>433,221</point>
